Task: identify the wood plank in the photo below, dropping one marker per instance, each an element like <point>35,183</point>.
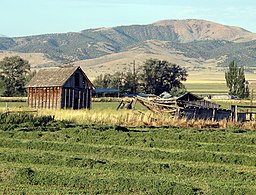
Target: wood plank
<point>49,98</point>
<point>85,104</point>
<point>87,99</point>
<point>65,98</point>
<point>90,98</point>
<point>83,99</point>
<point>56,99</point>
<point>73,98</point>
<point>69,100</point>
<point>53,97</point>
<point>46,98</point>
<point>79,99</point>
<point>32,96</point>
<point>35,90</point>
<point>38,102</point>
<point>28,97</point>
<point>240,106</point>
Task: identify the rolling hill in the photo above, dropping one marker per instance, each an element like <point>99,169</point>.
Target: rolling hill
<point>192,43</point>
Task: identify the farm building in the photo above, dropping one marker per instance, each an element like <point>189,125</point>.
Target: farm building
<point>60,88</point>
<point>106,92</point>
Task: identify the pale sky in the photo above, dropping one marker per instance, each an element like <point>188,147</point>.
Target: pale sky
<point>33,17</point>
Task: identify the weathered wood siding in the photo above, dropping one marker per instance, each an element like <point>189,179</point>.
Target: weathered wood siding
<point>74,94</point>
<point>76,98</point>
<point>44,97</point>
<point>205,114</point>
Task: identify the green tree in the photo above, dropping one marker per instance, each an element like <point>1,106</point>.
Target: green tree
<point>235,80</point>
<point>158,76</point>
<point>102,81</point>
<point>118,80</point>
<point>14,74</point>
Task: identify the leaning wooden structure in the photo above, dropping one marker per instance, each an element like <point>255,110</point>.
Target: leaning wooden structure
<point>67,88</point>
<point>187,106</point>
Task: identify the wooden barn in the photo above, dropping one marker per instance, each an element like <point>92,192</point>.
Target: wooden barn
<point>67,88</point>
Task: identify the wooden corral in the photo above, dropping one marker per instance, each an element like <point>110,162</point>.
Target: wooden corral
<point>197,113</point>
<point>243,113</point>
<point>60,88</point>
<point>191,100</point>
<point>188,106</point>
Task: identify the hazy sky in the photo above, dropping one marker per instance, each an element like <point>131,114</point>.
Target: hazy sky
<point>31,17</point>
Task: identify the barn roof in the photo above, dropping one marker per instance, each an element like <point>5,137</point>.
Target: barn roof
<point>189,97</point>
<point>54,77</point>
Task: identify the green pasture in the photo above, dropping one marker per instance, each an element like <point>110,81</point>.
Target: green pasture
<point>95,105</point>
<point>207,88</point>
<point>226,104</point>
<point>44,156</point>
<point>210,88</point>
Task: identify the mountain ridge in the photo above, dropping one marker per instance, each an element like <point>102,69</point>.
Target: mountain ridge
<point>189,39</point>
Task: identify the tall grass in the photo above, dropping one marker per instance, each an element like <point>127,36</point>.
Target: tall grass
<point>136,118</point>
<point>105,113</point>
<point>109,117</point>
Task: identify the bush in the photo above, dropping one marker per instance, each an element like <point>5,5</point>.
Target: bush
<point>29,122</point>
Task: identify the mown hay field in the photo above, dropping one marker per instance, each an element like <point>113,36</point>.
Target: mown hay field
<point>39,155</point>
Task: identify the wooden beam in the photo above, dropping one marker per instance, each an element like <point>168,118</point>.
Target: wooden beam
<point>87,99</point>
<point>213,115</point>
<point>49,98</point>
<point>83,99</point>
<point>251,105</point>
<point>56,99</point>
<point>240,106</point>
<point>90,98</point>
<point>236,114</point>
<point>85,104</point>
<point>28,97</point>
<point>53,97</point>
<point>45,98</point>
<point>31,93</point>
<point>65,98</point>
<point>35,99</point>
<point>38,101</point>
<point>42,101</point>
<point>73,99</point>
<point>69,98</point>
<point>79,99</point>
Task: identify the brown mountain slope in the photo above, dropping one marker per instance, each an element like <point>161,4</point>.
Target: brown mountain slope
<point>122,61</point>
<point>190,30</point>
<point>36,60</point>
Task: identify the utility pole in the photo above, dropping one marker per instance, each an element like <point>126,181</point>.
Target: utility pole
<point>134,77</point>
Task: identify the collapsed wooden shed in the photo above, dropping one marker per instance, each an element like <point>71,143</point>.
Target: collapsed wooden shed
<point>60,88</point>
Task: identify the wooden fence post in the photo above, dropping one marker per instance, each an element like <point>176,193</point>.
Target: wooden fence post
<point>213,114</point>
<point>236,114</point>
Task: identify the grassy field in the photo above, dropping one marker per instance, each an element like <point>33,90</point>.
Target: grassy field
<point>206,88</point>
<point>40,155</point>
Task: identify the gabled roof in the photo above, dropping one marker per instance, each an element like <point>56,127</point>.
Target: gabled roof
<point>188,97</point>
<point>54,77</point>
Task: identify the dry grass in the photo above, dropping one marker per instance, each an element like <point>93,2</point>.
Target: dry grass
<point>13,99</point>
<point>135,118</point>
<point>109,117</point>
